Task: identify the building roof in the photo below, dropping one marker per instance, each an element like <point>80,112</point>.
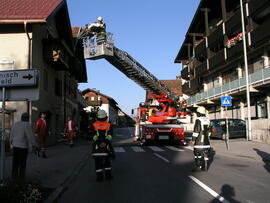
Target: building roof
<point>75,31</point>
<point>174,85</point>
<point>32,10</point>
<point>84,92</point>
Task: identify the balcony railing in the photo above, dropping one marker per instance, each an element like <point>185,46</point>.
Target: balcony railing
<point>256,77</point>
<point>200,50</point>
<point>185,73</point>
<point>216,36</point>
<point>201,69</point>
<point>235,51</point>
<point>185,87</point>
<point>217,60</point>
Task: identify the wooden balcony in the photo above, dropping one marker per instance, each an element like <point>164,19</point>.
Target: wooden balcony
<point>233,25</point>
<point>216,37</point>
<point>201,51</point>
<point>259,9</point>
<point>235,51</point>
<point>217,60</point>
<point>185,73</point>
<point>201,69</point>
<point>185,87</point>
<point>261,34</point>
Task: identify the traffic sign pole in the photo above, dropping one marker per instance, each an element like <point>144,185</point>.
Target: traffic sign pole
<point>2,160</point>
<point>227,130</point>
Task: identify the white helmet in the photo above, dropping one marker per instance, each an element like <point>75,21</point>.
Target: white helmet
<point>101,114</point>
<point>201,110</point>
<point>99,18</point>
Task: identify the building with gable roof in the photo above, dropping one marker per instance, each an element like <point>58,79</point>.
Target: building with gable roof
<point>36,34</point>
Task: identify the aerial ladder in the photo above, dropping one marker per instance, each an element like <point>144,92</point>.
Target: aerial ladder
<point>95,48</point>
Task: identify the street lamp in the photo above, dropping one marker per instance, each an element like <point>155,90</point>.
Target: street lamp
<point>246,71</point>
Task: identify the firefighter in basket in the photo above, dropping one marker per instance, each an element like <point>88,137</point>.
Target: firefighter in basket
<point>102,146</point>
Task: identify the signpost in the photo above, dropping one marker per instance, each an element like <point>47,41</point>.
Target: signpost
<point>17,85</point>
<point>226,101</point>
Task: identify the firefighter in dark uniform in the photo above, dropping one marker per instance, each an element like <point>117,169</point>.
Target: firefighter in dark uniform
<point>102,147</point>
<point>200,138</point>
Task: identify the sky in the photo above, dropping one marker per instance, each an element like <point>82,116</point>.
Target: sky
<point>151,31</point>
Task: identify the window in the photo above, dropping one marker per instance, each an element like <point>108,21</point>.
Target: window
<point>92,98</point>
<point>99,98</point>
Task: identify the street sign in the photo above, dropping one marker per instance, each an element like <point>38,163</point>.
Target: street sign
<point>13,78</point>
<point>226,101</point>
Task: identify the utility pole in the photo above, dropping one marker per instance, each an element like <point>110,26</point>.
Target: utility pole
<point>246,71</point>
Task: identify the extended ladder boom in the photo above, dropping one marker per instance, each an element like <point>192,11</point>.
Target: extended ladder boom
<point>125,63</point>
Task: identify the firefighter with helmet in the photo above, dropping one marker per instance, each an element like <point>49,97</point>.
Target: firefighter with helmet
<point>200,138</point>
<point>102,147</point>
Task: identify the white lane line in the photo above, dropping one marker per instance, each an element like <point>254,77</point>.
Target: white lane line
<point>156,149</point>
<point>189,147</point>
<point>119,149</point>
<point>137,149</point>
<point>209,190</point>
<point>161,157</point>
<point>174,148</point>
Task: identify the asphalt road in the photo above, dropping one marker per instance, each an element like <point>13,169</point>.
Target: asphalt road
<point>162,173</point>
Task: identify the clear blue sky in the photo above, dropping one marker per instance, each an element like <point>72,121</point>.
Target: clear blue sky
<point>151,31</point>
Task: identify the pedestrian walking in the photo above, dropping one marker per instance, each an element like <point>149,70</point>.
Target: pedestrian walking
<point>41,133</point>
<point>22,141</point>
<point>200,140</point>
<point>102,146</point>
<point>70,128</point>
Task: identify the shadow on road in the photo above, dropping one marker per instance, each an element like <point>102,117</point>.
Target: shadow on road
<point>263,155</point>
<point>228,193</point>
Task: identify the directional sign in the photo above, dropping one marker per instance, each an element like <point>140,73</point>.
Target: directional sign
<point>226,101</point>
<point>13,78</point>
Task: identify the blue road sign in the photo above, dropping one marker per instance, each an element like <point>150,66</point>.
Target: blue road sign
<point>226,101</point>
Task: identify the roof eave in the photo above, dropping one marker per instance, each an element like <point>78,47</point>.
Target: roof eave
<point>22,21</point>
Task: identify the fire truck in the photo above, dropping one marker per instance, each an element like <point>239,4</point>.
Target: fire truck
<point>154,122</point>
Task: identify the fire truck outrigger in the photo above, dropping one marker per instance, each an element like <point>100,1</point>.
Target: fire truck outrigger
<point>154,122</point>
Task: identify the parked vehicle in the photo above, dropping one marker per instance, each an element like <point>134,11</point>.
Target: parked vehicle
<point>237,128</point>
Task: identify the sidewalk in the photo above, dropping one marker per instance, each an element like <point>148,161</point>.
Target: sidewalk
<point>243,149</point>
<point>56,170</point>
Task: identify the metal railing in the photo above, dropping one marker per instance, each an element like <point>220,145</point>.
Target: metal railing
<point>256,77</point>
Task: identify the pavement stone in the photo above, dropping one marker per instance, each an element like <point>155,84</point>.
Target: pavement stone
<point>62,165</point>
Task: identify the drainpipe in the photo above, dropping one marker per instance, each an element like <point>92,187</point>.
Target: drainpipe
<point>29,64</point>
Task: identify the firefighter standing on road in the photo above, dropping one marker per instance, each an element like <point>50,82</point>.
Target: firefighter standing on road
<point>200,138</point>
<point>102,147</point>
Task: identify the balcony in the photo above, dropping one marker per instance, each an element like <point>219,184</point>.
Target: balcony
<point>55,54</point>
<point>233,25</point>
<point>201,51</point>
<point>195,84</point>
<point>217,60</point>
<point>257,77</point>
<point>261,34</point>
<point>235,51</point>
<point>201,69</point>
<point>216,37</point>
<point>185,73</point>
<point>185,87</point>
<point>259,9</point>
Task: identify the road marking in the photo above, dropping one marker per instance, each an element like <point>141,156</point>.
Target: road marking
<point>209,190</point>
<point>119,149</point>
<point>189,147</point>
<point>174,148</point>
<point>161,157</point>
<point>137,149</point>
<point>156,149</point>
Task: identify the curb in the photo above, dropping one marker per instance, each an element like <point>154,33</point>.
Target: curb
<point>75,172</point>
